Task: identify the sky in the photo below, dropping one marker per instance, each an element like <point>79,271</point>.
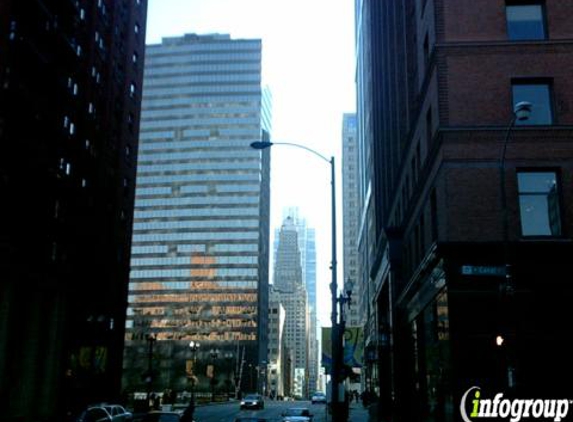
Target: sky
<point>309,66</point>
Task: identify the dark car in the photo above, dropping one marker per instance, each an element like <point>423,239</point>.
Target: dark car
<point>253,401</point>
<point>160,416</point>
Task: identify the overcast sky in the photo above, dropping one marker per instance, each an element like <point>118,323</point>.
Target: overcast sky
<point>308,63</point>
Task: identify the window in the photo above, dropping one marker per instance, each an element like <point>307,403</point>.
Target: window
<point>525,21</point>
<point>538,93</point>
<point>539,203</point>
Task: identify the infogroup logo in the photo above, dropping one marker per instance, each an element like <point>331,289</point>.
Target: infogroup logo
<point>513,409</point>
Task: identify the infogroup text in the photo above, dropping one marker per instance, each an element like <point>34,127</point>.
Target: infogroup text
<point>513,409</point>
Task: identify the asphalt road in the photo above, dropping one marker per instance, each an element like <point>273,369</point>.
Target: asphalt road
<point>227,412</point>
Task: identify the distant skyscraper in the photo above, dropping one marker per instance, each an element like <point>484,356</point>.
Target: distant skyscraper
<point>201,229</point>
<point>350,215</point>
<point>290,292</point>
<point>70,92</point>
<point>307,247</point>
<point>276,368</point>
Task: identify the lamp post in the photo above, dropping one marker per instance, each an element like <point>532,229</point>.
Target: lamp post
<point>336,335</point>
<point>229,365</point>
<point>151,339</point>
<point>194,347</point>
<point>521,112</point>
<point>214,353</point>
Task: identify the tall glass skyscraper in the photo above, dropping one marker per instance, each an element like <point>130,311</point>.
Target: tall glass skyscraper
<point>306,241</point>
<point>199,268</point>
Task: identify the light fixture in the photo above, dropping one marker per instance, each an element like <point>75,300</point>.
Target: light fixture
<point>522,110</point>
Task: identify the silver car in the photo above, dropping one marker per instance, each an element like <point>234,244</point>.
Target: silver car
<point>105,413</point>
<point>297,414</point>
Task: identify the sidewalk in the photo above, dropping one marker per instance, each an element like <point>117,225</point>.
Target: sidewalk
<point>358,413</point>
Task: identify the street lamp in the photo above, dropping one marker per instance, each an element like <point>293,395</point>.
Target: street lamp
<point>194,347</point>
<point>229,365</point>
<point>214,353</point>
<point>336,335</point>
<point>521,112</point>
<point>151,339</point>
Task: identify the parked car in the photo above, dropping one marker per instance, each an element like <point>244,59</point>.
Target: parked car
<point>117,412</point>
<point>160,416</point>
<point>318,398</point>
<point>253,401</point>
<point>297,414</point>
<point>105,412</point>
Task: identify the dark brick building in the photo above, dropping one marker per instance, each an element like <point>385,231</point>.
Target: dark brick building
<point>70,92</point>
<point>437,83</point>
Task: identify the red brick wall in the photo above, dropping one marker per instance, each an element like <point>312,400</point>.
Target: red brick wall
<point>479,81</point>
<point>484,20</point>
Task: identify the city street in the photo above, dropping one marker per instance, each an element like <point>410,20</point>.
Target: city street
<point>273,409</point>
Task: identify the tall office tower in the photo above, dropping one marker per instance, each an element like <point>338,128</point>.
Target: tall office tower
<point>307,246</point>
<point>350,216</point>
<point>70,80</point>
<point>276,367</point>
<point>291,294</point>
<point>467,208</point>
<point>199,269</point>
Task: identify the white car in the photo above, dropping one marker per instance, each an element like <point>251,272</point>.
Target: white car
<point>253,401</point>
<point>297,414</point>
<point>318,398</point>
<point>105,413</point>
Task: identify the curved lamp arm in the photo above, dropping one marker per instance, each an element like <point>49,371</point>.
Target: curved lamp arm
<point>264,145</point>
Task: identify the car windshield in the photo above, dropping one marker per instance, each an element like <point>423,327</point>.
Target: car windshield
<point>252,397</point>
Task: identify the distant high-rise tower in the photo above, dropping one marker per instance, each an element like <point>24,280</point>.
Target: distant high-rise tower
<point>201,227</point>
<point>307,246</point>
<point>276,368</point>
<point>70,91</point>
<point>350,213</point>
<point>291,293</point>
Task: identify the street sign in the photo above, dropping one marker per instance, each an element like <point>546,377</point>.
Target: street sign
<point>483,270</point>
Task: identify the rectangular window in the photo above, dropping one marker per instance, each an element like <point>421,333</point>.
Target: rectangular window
<point>539,203</point>
<point>525,21</point>
<point>538,93</point>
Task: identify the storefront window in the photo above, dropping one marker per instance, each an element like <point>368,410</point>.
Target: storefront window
<point>431,352</point>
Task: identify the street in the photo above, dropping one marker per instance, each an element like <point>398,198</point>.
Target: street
<point>273,409</point>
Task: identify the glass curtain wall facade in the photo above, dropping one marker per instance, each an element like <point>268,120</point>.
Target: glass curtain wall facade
<point>199,268</point>
<point>350,215</point>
